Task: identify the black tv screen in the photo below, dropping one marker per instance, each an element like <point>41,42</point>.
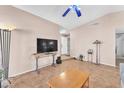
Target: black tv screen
<point>46,45</point>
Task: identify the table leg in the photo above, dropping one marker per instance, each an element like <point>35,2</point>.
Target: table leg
<point>37,66</point>
<point>53,64</point>
<point>86,85</point>
<point>9,81</point>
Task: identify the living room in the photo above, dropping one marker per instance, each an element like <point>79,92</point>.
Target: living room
<point>91,50</point>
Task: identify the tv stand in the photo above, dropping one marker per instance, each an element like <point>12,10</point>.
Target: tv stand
<point>42,55</point>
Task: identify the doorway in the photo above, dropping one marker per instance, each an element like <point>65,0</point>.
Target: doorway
<point>119,48</point>
<point>65,45</point>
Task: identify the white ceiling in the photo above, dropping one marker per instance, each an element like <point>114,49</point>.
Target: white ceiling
<point>54,13</point>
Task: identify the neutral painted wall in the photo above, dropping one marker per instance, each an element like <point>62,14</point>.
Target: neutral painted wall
<point>83,37</point>
<point>23,40</point>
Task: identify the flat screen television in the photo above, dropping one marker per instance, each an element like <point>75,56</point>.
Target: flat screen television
<point>46,45</point>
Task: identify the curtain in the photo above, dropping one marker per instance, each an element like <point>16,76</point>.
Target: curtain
<point>5,38</point>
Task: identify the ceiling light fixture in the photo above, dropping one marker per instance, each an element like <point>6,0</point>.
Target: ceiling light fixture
<point>9,27</point>
<point>74,8</point>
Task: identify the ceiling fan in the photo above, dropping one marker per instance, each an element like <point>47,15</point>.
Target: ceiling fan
<point>74,8</point>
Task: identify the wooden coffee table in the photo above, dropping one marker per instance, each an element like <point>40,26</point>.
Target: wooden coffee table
<point>72,78</point>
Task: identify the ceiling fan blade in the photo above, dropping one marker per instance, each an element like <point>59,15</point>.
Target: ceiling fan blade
<point>66,12</point>
<point>78,12</point>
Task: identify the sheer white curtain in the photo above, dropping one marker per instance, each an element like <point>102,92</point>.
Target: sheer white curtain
<point>0,61</point>
<point>0,57</point>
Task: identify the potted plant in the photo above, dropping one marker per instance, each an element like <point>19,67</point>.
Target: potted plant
<point>1,76</point>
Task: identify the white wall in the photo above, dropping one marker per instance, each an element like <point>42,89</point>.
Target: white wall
<point>23,40</point>
<point>83,37</point>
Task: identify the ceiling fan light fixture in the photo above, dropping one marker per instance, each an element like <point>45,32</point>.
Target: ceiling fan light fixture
<point>73,8</point>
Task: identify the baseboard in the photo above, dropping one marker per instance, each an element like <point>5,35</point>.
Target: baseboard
<point>14,75</point>
<point>95,62</point>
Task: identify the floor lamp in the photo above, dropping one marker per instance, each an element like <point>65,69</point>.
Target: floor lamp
<point>5,40</point>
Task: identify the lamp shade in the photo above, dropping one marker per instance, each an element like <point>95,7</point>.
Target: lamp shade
<point>97,42</point>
